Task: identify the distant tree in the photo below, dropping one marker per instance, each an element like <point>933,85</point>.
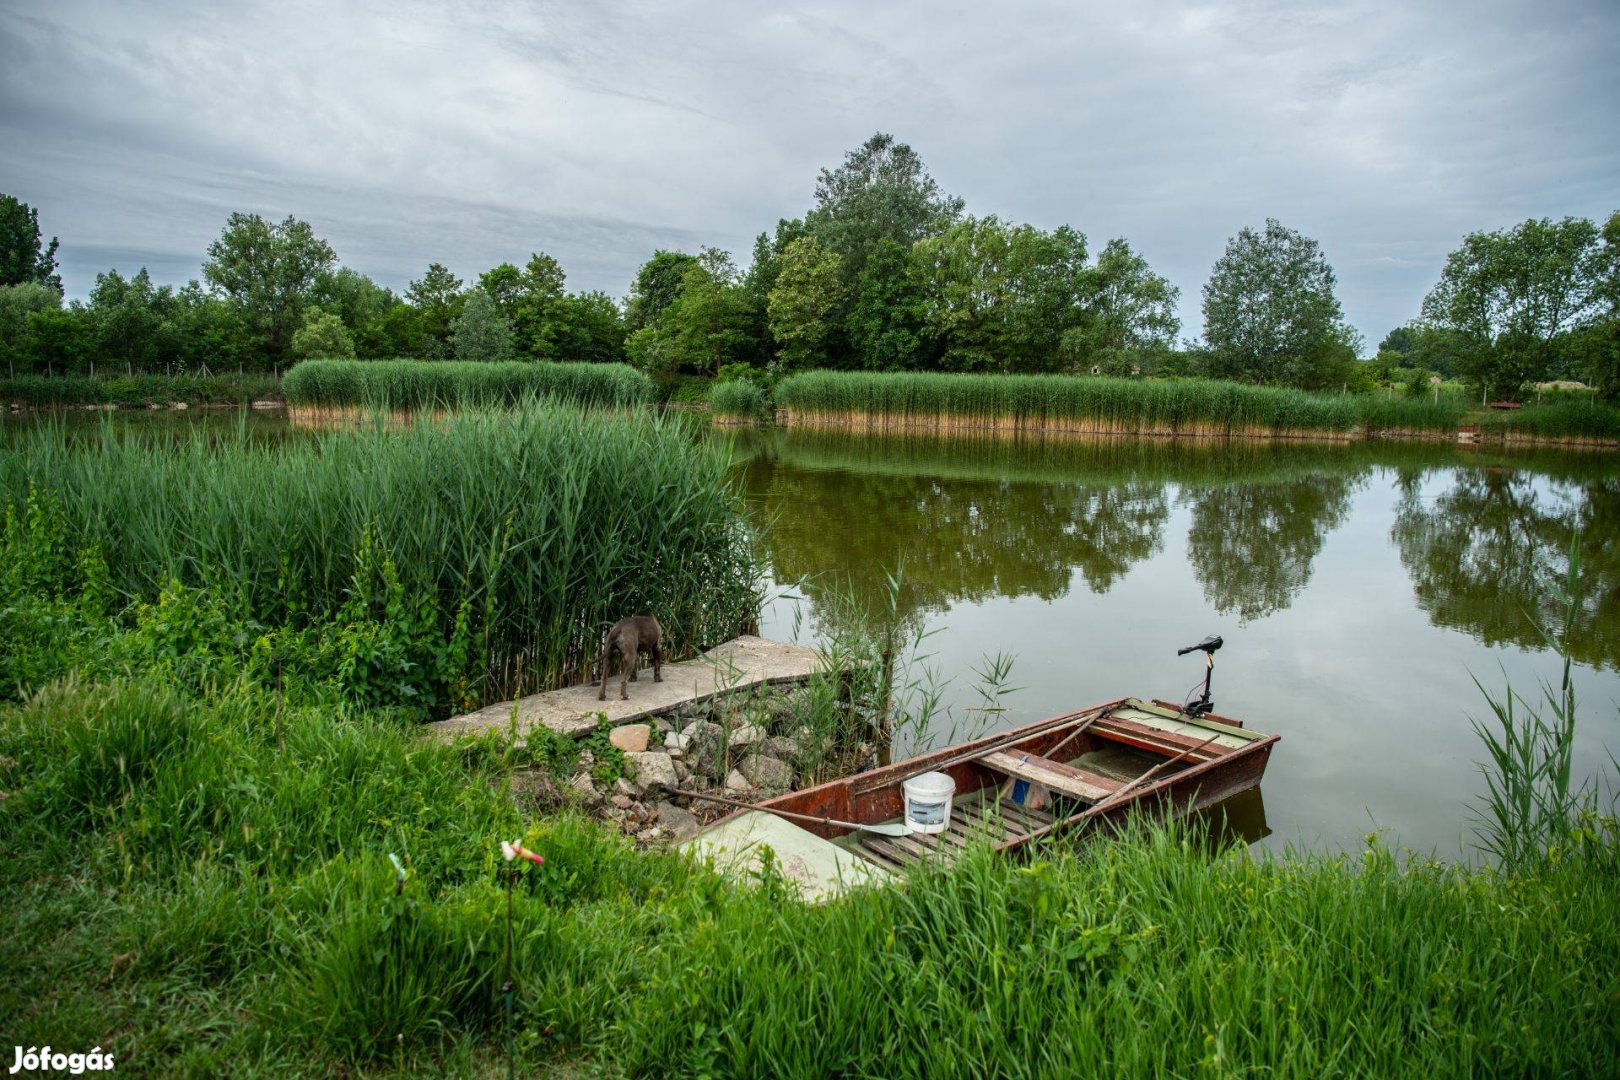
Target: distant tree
<point>17,303</point>
<point>361,303</point>
<point>590,328</point>
<point>133,320</point>
<point>23,258</point>
<point>1509,294</point>
<point>267,272</point>
<point>999,297</point>
<point>481,332</point>
<point>1270,313</point>
<point>1398,340</point>
<point>1602,356</point>
<point>655,288</point>
<point>804,305</point>
<point>437,298</point>
<point>881,192</point>
<point>322,335</point>
<point>60,339</point>
<point>705,327</point>
<point>1129,313</point>
<point>886,318</point>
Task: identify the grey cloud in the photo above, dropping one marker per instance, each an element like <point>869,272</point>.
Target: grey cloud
<point>477,132</point>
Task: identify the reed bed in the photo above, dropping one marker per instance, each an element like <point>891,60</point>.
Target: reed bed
<point>457,384</point>
<point>1195,407</point>
<point>1575,422</point>
<point>205,889</point>
<point>511,539</point>
<point>737,400</point>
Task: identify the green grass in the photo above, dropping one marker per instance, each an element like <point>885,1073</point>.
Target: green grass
<point>443,565</point>
<point>1114,406</point>
<point>737,400</point>
<point>446,384</point>
<point>39,391</point>
<point>202,887</point>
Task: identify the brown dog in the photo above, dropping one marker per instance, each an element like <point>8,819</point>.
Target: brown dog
<point>629,638</point>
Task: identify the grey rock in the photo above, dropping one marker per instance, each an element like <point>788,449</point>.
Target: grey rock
<point>738,782</point>
<point>583,784</point>
<point>680,822</point>
<point>767,772</point>
<point>781,746</point>
<point>626,787</point>
<point>746,735</point>
<point>623,802</point>
<point>651,768</point>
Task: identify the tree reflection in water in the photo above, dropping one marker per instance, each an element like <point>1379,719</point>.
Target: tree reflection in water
<point>1252,545</point>
<point>977,519</point>
<point>1489,554</point>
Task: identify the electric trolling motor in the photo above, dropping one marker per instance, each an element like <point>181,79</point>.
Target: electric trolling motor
<point>1207,647</point>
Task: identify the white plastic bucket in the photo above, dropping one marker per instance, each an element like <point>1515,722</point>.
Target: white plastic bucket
<point>928,802</point>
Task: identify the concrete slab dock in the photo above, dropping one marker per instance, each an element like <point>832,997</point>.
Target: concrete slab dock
<point>737,665</point>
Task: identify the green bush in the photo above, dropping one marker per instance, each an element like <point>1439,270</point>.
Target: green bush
<point>459,384</point>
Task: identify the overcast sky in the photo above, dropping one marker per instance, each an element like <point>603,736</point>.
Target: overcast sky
<point>473,133</point>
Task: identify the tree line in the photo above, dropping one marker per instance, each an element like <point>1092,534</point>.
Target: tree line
<point>885,272</point>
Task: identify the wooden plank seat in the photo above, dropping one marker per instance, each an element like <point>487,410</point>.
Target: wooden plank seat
<point>1078,783</point>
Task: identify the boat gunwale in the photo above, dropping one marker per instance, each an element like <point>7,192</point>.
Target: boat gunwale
<point>815,800</point>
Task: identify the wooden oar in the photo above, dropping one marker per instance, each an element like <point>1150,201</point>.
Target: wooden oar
<point>897,829</point>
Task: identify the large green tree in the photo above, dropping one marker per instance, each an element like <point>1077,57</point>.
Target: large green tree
<point>706,326</point>
<point>1270,312</point>
<point>23,256</point>
<point>18,303</point>
<point>436,298</point>
<point>999,297</point>
<point>1509,295</point>
<point>803,306</point>
<point>1128,313</point>
<point>655,288</point>
<point>885,327</point>
<point>882,191</point>
<point>267,272</point>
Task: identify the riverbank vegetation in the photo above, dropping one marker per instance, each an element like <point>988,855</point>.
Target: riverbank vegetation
<point>1101,405</point>
<point>438,567</point>
<point>421,385</point>
<point>204,887</point>
<point>137,391</point>
<point>884,271</point>
<point>737,400</point>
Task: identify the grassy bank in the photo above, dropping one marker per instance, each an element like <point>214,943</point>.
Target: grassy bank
<point>1100,405</point>
<point>436,567</point>
<point>137,391</point>
<point>203,888</point>
<point>456,384</point>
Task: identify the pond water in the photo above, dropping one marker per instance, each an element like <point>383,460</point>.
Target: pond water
<point>1360,589</point>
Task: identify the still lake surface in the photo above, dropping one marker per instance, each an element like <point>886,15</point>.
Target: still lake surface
<point>1360,589</point>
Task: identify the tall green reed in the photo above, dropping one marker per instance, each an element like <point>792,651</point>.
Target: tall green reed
<point>1532,805</point>
<point>1122,406</point>
<point>457,384</point>
<point>514,538</point>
